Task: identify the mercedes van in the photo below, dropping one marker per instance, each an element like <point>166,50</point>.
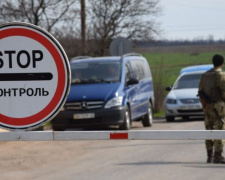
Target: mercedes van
<point>108,91</point>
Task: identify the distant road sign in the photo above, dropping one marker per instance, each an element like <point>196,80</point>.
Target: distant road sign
<point>34,76</point>
<point>120,46</point>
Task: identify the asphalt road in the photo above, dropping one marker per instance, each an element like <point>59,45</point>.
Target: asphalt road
<point>111,159</point>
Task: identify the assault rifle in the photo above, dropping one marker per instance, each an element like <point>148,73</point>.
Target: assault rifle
<point>203,96</point>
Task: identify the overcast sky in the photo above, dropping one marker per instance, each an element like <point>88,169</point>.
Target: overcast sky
<point>191,19</point>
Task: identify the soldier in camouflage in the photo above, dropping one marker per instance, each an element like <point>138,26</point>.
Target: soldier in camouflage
<point>212,83</point>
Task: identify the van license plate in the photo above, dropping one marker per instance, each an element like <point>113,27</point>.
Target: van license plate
<point>84,116</point>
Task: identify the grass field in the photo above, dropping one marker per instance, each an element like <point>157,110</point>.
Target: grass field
<point>165,69</point>
<point>170,64</point>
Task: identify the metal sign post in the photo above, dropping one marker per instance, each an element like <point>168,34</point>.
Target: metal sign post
<point>120,46</point>
<point>34,76</point>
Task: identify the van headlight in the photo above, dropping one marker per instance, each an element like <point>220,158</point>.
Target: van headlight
<point>116,101</point>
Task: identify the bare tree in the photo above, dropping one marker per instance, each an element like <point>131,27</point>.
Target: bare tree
<point>44,13</point>
<point>132,19</point>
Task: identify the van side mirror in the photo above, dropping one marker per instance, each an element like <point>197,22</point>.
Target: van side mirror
<point>133,81</point>
<point>168,88</point>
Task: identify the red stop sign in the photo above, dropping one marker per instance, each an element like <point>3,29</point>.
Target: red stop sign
<point>34,76</point>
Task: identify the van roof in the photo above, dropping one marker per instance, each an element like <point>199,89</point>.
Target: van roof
<point>106,58</point>
<point>92,59</point>
<point>204,67</point>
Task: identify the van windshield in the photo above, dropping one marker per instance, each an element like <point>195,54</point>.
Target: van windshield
<point>95,72</point>
<point>188,81</point>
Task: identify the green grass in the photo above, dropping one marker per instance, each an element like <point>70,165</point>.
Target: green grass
<point>159,114</point>
<point>170,64</point>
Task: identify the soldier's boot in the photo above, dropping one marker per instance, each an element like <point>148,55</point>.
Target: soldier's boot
<point>218,158</point>
<point>210,156</point>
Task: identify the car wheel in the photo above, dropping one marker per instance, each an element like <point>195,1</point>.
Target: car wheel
<point>148,118</point>
<point>127,122</point>
<point>170,118</point>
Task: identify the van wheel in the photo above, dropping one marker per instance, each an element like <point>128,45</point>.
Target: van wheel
<point>127,122</point>
<point>147,120</point>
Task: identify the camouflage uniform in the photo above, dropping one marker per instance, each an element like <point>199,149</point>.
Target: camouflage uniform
<point>213,84</point>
